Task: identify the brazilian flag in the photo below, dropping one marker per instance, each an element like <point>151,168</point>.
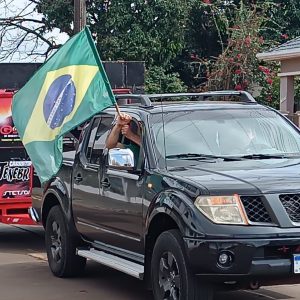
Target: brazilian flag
<point>68,89</point>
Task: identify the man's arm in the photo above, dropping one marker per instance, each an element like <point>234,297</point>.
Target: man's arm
<point>113,138</point>
<point>126,131</point>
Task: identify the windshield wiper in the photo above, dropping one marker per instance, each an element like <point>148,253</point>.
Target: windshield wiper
<point>262,156</point>
<point>200,156</point>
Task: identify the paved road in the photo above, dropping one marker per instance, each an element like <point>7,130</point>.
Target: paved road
<point>24,275</point>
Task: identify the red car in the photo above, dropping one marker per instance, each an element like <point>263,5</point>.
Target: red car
<point>16,172</point>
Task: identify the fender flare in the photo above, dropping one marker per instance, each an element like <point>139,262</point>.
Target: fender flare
<point>180,208</point>
<point>56,188</point>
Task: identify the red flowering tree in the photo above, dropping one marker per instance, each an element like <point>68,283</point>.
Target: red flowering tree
<point>237,67</point>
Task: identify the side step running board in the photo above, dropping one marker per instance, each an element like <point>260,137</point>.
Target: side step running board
<point>115,262</point>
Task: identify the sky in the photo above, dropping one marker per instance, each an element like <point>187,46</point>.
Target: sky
<point>14,8</point>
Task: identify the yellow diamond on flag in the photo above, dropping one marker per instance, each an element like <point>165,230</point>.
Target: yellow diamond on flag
<point>80,77</point>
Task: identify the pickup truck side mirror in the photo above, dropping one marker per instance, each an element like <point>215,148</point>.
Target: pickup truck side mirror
<point>121,159</point>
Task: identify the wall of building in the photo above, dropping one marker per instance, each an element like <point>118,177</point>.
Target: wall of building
<point>290,65</point>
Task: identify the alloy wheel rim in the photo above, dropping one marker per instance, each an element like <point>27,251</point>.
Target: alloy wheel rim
<point>56,243</point>
<point>169,277</point>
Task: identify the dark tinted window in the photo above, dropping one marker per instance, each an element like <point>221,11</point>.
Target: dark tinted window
<point>90,145</point>
<point>100,138</point>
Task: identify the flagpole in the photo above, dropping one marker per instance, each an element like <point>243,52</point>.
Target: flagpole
<point>118,110</point>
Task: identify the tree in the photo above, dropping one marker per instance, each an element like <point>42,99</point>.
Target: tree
<point>23,32</point>
<point>158,81</point>
<point>152,31</point>
<point>237,66</point>
<point>205,38</point>
<point>179,36</point>
<point>283,19</point>
<point>224,38</point>
<point>58,13</point>
<point>209,32</point>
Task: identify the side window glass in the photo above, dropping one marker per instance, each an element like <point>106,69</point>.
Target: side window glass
<point>90,144</point>
<point>100,139</point>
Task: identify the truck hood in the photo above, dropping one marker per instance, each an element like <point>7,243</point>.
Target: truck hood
<point>244,177</point>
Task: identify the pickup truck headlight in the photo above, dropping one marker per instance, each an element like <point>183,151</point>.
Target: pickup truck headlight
<point>223,209</point>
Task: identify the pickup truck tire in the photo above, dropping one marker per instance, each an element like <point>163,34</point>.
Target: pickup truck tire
<point>170,275</point>
<point>61,249</point>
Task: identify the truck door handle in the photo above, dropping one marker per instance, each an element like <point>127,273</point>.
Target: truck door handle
<point>78,178</point>
<point>105,183</point>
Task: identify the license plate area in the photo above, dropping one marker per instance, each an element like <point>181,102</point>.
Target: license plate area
<point>297,263</point>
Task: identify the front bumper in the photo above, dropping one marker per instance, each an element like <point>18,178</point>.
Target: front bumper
<point>15,212</point>
<point>251,258</point>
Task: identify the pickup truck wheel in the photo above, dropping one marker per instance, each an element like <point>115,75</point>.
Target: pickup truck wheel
<point>170,275</point>
<point>61,249</point>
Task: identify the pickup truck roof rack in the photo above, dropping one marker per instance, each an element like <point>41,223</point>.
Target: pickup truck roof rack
<point>148,99</point>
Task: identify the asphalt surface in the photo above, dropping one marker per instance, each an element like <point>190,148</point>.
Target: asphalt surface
<point>24,275</point>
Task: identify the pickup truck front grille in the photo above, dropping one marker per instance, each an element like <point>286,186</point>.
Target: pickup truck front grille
<point>255,209</point>
<point>291,203</point>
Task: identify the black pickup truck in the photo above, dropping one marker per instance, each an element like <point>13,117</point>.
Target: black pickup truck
<point>211,198</point>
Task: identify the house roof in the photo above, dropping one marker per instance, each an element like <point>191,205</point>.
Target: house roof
<point>288,50</point>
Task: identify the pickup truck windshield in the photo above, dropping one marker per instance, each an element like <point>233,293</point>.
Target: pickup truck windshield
<point>214,134</point>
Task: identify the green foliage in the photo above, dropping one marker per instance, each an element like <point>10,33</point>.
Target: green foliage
<point>283,19</point>
<point>270,94</point>
<point>206,29</point>
<point>158,81</point>
<point>151,30</point>
<point>225,52</point>
<point>58,13</point>
<point>237,67</point>
<point>142,30</point>
<point>197,39</point>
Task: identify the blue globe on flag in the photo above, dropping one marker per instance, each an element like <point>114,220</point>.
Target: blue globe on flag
<point>59,101</point>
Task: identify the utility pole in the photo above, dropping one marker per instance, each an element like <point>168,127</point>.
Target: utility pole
<point>79,15</point>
